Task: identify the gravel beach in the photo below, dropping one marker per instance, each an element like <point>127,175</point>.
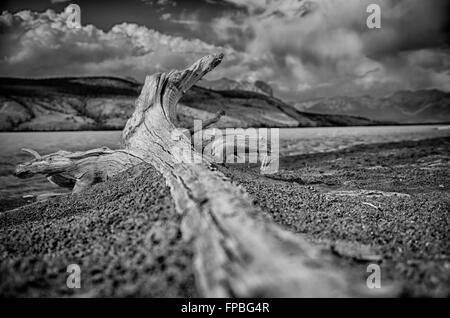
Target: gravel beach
<point>389,202</point>
<point>124,234</point>
<point>382,203</point>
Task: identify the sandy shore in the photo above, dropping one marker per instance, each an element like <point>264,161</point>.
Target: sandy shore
<point>383,203</point>
<point>404,218</point>
<point>124,234</point>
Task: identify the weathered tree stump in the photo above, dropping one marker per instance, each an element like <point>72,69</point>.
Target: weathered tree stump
<point>237,253</point>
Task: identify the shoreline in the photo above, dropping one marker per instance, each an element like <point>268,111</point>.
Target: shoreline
<point>268,127</point>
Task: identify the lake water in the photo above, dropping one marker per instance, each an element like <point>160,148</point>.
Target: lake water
<point>310,140</point>
<point>292,141</point>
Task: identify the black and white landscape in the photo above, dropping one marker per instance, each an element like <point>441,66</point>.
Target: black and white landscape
<point>357,206</point>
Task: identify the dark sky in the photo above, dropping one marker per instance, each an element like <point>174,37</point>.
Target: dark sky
<point>302,48</point>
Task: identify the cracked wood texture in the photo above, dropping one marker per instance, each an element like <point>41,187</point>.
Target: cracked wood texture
<point>237,252</point>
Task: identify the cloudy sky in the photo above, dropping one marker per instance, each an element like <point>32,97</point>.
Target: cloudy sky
<point>302,48</point>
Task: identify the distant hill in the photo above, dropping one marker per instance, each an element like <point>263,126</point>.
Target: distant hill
<point>84,103</point>
<point>226,84</point>
<point>424,106</point>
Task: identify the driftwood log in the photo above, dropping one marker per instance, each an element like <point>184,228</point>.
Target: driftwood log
<point>237,252</point>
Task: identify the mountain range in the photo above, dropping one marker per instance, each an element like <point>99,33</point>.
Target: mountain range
<point>406,107</point>
<point>88,103</point>
<point>226,84</point>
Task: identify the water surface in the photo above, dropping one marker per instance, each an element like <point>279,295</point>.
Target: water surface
<point>292,141</point>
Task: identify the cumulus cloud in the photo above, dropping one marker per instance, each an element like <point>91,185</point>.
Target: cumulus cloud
<point>326,43</point>
<point>41,44</point>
